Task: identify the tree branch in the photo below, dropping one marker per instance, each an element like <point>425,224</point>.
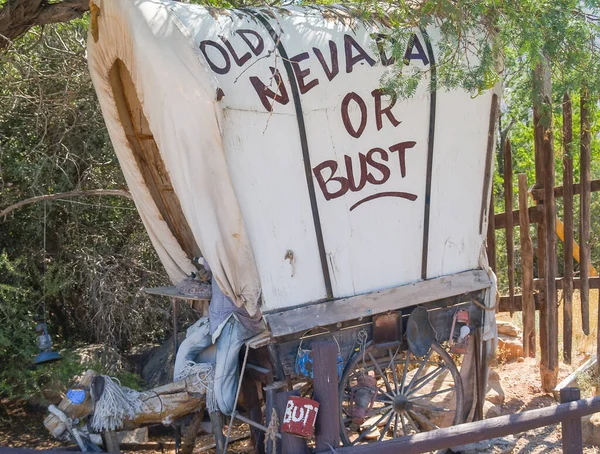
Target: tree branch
<point>18,16</point>
<point>65,195</point>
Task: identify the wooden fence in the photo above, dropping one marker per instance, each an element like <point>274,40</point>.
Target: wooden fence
<point>539,280</point>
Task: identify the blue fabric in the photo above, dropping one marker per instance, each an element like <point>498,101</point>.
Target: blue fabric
<point>77,396</point>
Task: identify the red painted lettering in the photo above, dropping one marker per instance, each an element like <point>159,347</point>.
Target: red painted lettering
<point>264,92</point>
<point>301,74</point>
<point>333,166</point>
<point>238,60</point>
<point>379,112</point>
<point>224,69</point>
<point>351,60</point>
<point>401,149</point>
<point>335,69</point>
<point>385,172</point>
<point>356,133</point>
<point>255,48</point>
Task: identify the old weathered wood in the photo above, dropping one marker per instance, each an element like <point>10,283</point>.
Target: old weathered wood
<point>568,230</point>
<point>271,392</point>
<point>536,215</point>
<point>559,191</point>
<point>290,444</point>
<point>508,205</point>
<point>478,431</point>
<point>538,135</point>
<point>111,441</point>
<point>325,384</point>
<point>527,301</point>
<point>165,403</point>
<point>585,200</point>
<point>216,419</point>
<point>327,313</point>
<point>491,235</point>
<point>538,299</point>
<point>149,161</point>
<point>571,427</point>
<point>175,328</point>
<point>254,409</point>
<point>487,176</point>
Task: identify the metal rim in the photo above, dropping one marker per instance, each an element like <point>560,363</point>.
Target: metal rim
<point>413,394</point>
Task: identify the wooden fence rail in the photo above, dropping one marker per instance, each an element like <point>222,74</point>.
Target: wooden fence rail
<point>568,413</point>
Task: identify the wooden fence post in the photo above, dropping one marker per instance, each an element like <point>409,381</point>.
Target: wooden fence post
<point>571,428</point>
<point>528,304</point>
<point>326,393</point>
<point>568,221</point>
<point>491,234</point>
<point>508,208</point>
<point>584,210</point>
<point>544,141</point>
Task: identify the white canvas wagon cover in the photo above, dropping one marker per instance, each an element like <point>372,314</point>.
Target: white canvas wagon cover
<point>261,139</point>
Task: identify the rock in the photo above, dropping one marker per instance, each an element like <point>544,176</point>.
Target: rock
<point>520,359</point>
<point>134,436</point>
<point>508,329</point>
<point>590,429</point>
<point>495,393</point>
<point>158,370</point>
<point>503,445</point>
<point>509,348</point>
<point>491,410</point>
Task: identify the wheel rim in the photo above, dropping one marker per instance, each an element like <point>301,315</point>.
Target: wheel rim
<point>412,394</point>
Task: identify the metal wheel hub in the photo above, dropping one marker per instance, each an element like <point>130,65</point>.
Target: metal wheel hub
<point>401,403</point>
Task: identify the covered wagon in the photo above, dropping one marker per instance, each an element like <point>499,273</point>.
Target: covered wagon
<point>262,140</point>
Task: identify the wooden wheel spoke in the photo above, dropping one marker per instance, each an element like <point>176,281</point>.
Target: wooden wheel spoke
<point>387,427</point>
<point>422,421</point>
<point>427,379</point>
<point>393,367</point>
<point>404,372</point>
<point>419,370</point>
<point>396,425</point>
<point>434,393</point>
<point>383,393</point>
<point>433,408</point>
<point>366,432</point>
<point>388,387</point>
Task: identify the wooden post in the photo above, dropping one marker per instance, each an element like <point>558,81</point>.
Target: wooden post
<point>271,392</point>
<point>568,221</point>
<point>545,151</point>
<point>175,329</point>
<point>111,441</point>
<point>253,404</point>
<point>585,199</point>
<point>571,428</point>
<point>290,444</point>
<point>325,382</point>
<point>528,304</point>
<point>491,234</point>
<point>508,208</point>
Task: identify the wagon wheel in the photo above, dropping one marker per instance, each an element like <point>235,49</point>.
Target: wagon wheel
<point>404,395</point>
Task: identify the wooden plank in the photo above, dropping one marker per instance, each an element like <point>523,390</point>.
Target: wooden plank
<point>594,283</point>
<point>325,384</point>
<point>478,431</point>
<point>585,200</point>
<point>111,441</point>
<point>527,302</point>
<point>538,300</point>
<point>508,206</point>
<point>536,215</point>
<point>326,313</point>
<point>491,235</point>
<point>559,191</point>
<point>568,229</point>
<point>572,439</point>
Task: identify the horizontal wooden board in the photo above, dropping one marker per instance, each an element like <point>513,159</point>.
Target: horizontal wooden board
<point>330,312</point>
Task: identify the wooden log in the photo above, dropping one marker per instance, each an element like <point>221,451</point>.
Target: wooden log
<point>527,302</point>
<point>551,377</point>
<point>290,444</point>
<point>491,235</point>
<point>254,407</point>
<point>540,79</point>
<point>478,431</point>
<point>585,200</point>
<point>568,229</point>
<point>325,384</point>
<point>559,191</point>
<point>508,205</point>
<point>271,392</point>
<point>538,299</point>
<point>162,404</point>
<point>572,439</point>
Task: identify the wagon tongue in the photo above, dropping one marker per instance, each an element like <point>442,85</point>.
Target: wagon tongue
<point>419,332</point>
